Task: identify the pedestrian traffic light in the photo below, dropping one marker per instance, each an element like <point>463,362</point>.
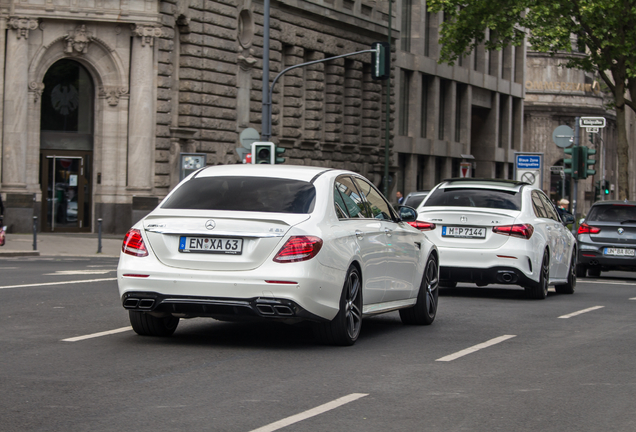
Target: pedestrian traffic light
<point>586,160</point>
<point>279,151</point>
<point>381,60</point>
<point>263,152</point>
<point>571,164</point>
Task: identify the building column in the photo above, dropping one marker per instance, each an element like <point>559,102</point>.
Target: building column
<point>16,92</point>
<point>141,126</point>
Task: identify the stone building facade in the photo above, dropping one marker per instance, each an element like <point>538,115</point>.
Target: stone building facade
<point>555,96</point>
<point>452,121</point>
<point>102,98</point>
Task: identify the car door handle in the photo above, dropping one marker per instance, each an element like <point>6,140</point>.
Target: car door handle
<point>388,231</point>
<point>359,234</point>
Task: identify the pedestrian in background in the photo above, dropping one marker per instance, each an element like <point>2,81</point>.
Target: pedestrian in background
<point>399,196</point>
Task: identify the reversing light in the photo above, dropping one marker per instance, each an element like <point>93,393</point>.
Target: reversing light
<point>586,229</point>
<point>422,226</point>
<point>298,248</point>
<point>518,230</point>
<point>134,244</point>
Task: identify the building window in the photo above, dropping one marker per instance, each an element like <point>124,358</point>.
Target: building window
<point>442,108</point>
<point>427,33</point>
<point>458,111</point>
<point>405,82</point>
<point>424,106</point>
<point>503,121</point>
<point>405,34</point>
<point>439,169</point>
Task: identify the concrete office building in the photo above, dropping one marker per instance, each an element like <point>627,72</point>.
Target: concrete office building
<point>450,118</point>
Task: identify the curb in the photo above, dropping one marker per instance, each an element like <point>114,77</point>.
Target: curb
<point>19,254</point>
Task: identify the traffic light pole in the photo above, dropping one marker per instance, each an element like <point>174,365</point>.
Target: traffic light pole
<point>575,181</point>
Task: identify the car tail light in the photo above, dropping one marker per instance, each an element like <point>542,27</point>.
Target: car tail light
<point>422,226</point>
<point>298,248</point>
<point>518,230</point>
<point>586,229</point>
<point>134,244</point>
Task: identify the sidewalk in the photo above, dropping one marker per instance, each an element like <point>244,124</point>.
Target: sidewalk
<point>61,244</point>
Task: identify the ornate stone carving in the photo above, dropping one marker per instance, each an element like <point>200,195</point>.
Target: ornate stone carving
<point>246,63</point>
<point>112,94</point>
<point>22,26</point>
<point>78,40</point>
<point>147,33</point>
<point>37,89</point>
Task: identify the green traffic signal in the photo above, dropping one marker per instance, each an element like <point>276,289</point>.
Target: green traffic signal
<point>572,163</point>
<point>589,161</point>
<point>262,153</point>
<point>606,187</point>
<point>381,60</point>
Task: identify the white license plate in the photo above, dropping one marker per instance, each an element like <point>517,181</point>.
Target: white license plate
<point>619,252</point>
<point>463,232</point>
<point>217,245</point>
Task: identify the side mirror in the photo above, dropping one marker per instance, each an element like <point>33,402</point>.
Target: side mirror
<point>567,218</point>
<point>407,214</point>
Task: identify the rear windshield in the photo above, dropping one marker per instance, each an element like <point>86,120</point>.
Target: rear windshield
<point>258,194</point>
<point>471,197</point>
<point>612,213</point>
<point>414,200</point>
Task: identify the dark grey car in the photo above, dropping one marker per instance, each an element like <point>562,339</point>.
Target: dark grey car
<point>607,238</point>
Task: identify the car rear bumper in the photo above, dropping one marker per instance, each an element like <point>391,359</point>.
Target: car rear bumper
<point>486,276</point>
<point>216,307</point>
<point>591,258</point>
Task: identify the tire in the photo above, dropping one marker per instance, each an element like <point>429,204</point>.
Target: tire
<point>345,328</point>
<point>539,291</point>
<point>148,325</point>
<point>425,309</point>
<point>594,272</point>
<point>581,271</point>
<point>569,287</point>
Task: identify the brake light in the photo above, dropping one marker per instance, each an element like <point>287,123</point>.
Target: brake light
<point>518,230</point>
<point>134,244</point>
<point>298,248</point>
<point>422,226</point>
<point>586,229</point>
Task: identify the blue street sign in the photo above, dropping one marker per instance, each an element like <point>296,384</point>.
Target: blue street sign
<point>528,161</point>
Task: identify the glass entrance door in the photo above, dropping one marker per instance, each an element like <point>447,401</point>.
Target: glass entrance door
<point>65,191</point>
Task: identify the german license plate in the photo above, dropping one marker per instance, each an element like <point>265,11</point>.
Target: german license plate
<point>619,252</point>
<point>217,245</point>
<point>463,232</point>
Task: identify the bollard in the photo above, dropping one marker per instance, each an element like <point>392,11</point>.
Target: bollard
<point>99,235</point>
<point>35,233</point>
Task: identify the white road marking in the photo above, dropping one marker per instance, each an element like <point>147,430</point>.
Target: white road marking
<point>57,283</point>
<point>581,312</point>
<point>78,272</point>
<point>475,348</point>
<point>94,335</point>
<point>633,298</point>
<point>604,282</point>
<point>310,413</point>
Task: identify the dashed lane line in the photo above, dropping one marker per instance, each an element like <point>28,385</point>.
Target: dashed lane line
<point>581,312</point>
<point>310,413</point>
<point>57,283</point>
<point>475,348</point>
<point>94,335</point>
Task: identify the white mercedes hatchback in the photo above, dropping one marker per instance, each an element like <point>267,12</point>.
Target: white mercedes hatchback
<point>491,231</point>
<point>277,242</point>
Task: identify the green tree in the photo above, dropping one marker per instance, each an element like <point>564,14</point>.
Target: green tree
<point>605,28</point>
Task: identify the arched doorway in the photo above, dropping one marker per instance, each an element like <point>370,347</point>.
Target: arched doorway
<point>559,182</point>
<point>66,147</point>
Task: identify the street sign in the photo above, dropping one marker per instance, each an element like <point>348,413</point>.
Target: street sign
<point>556,168</point>
<point>464,169</point>
<point>592,129</point>
<point>529,168</point>
<point>563,136</point>
<point>248,136</point>
<point>592,122</point>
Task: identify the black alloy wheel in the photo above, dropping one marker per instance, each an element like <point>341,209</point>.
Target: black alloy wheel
<point>539,291</point>
<point>570,286</point>
<point>425,309</point>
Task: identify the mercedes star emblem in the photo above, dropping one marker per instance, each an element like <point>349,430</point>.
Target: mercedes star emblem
<point>210,224</point>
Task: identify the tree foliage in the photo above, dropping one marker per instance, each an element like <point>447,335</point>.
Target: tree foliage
<point>604,29</point>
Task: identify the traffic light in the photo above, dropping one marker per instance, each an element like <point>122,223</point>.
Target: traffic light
<point>263,152</point>
<point>597,190</point>
<point>572,163</point>
<point>381,60</point>
<point>585,160</point>
<point>279,159</point>
<point>606,187</point>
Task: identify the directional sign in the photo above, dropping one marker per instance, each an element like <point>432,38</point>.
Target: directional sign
<point>529,168</point>
<point>598,122</point>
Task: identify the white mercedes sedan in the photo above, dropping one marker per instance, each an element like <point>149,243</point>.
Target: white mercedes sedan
<point>277,242</point>
<point>492,231</point>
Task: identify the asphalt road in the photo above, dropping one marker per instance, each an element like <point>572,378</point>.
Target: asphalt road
<point>492,361</point>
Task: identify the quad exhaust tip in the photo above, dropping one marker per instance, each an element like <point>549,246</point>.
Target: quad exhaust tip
<point>273,310</point>
<point>135,303</point>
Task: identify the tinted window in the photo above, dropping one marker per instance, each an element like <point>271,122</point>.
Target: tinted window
<point>414,200</point>
<point>549,207</point>
<point>471,197</point>
<point>380,209</point>
<point>537,205</point>
<point>351,199</point>
<point>612,213</point>
<point>262,194</point>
